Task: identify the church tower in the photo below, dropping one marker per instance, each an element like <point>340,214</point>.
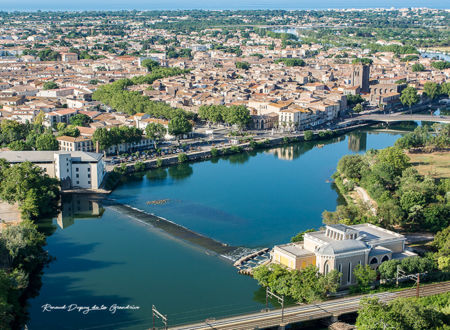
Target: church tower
<point>360,77</point>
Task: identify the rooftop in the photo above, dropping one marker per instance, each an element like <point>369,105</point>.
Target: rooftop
<point>47,156</point>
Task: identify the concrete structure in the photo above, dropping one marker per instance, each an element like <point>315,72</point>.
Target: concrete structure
<point>342,248</point>
<point>75,169</point>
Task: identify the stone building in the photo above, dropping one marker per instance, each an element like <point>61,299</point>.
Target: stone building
<point>342,248</point>
<point>360,77</point>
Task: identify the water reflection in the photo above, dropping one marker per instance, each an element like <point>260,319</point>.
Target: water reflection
<point>294,151</point>
<point>77,207</point>
<point>180,171</point>
<point>157,174</point>
<point>357,141</point>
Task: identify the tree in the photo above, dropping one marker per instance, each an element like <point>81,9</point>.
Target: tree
<point>156,132</point>
<point>50,85</point>
<point>238,115</point>
<point>47,142</point>
<point>69,131</point>
<point>352,166</point>
<point>445,88</point>
<point>80,119</point>
<point>388,269</point>
<point>409,96</point>
<point>299,236</point>
<point>150,64</point>
<point>308,135</point>
<point>102,136</point>
<point>410,199</point>
<point>179,125</point>
<point>358,108</point>
<point>353,100</point>
<point>417,67</point>
<point>35,192</point>
<point>441,65</point>
<point>362,60</point>
<point>365,276</point>
<point>394,157</point>
<point>19,146</point>
<point>402,313</point>
<point>431,89</point>
<point>242,65</point>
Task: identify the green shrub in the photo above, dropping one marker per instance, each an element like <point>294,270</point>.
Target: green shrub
<point>308,135</point>
<point>139,166</point>
<point>182,158</point>
<point>159,162</point>
<point>214,152</point>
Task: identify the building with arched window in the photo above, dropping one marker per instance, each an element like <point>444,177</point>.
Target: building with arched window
<point>343,248</point>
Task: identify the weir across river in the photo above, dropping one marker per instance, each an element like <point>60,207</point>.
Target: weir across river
<point>171,228</point>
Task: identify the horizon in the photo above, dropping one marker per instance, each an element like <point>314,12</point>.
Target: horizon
<point>231,5</point>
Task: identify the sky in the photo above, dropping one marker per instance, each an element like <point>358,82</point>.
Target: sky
<point>33,5</point>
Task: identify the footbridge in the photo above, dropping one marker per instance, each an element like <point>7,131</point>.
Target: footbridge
<point>331,308</point>
<point>388,118</point>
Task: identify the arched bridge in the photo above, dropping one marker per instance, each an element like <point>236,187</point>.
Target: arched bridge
<point>402,117</point>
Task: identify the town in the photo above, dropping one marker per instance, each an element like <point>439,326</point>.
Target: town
<point>102,112</point>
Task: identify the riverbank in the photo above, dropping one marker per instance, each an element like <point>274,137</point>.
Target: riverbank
<point>215,151</point>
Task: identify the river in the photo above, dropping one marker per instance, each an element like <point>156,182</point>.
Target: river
<point>105,257</point>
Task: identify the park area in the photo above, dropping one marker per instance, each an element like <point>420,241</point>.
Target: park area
<point>436,164</point>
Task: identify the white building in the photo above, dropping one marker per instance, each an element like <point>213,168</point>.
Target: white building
<point>342,248</point>
<point>75,170</point>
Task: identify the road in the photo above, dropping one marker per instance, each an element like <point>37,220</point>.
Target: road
<point>308,312</point>
<point>402,117</point>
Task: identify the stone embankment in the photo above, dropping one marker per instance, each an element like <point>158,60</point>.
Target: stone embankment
<point>206,154</point>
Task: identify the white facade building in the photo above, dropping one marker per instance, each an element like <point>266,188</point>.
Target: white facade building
<point>75,170</point>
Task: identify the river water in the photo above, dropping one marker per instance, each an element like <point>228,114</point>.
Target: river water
<point>105,257</point>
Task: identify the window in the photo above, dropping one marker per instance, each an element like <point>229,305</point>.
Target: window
<point>89,169</point>
<point>89,175</point>
<point>374,261</point>
<point>326,267</point>
<point>76,169</point>
<point>78,182</point>
<point>89,182</point>
<point>78,175</point>
<point>349,275</point>
<point>385,258</point>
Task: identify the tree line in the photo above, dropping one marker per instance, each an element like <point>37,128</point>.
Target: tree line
<point>119,98</point>
<point>232,115</point>
<point>404,197</point>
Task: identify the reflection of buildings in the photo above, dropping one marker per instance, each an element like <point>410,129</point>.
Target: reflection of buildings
<point>78,207</point>
<point>285,153</point>
<point>342,248</point>
<point>357,141</point>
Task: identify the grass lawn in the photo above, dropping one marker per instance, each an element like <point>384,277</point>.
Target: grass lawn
<point>436,164</point>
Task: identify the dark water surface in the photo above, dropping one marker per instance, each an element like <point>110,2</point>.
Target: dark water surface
<point>253,200</point>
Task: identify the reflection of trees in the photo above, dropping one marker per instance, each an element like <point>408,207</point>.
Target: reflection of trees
<point>180,171</point>
<point>260,296</point>
<point>357,141</point>
<point>157,174</point>
<point>404,125</point>
<point>239,158</point>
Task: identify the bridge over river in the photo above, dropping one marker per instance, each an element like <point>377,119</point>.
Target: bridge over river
<point>331,308</point>
<point>388,118</point>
